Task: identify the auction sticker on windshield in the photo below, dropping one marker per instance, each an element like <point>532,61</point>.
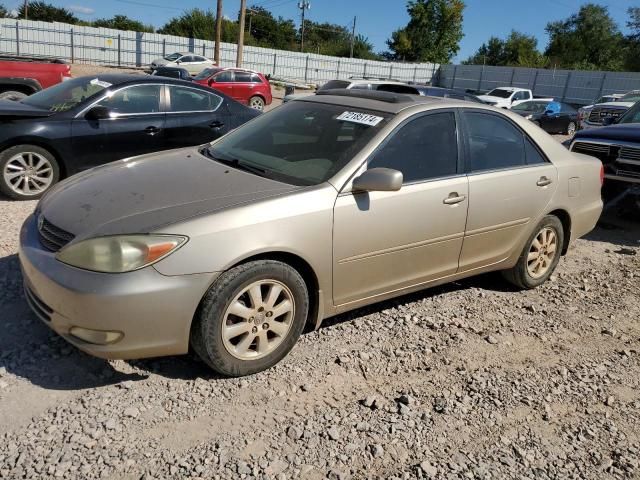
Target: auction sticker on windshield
<point>362,118</point>
<point>100,83</point>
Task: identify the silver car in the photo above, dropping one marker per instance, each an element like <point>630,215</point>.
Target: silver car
<point>321,206</point>
<point>190,61</point>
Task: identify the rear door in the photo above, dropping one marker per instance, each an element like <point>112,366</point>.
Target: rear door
<point>243,87</point>
<point>510,184</point>
<point>136,127</point>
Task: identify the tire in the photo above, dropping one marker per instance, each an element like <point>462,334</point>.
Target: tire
<point>231,344</point>
<point>26,158</point>
<point>521,274</point>
<point>571,128</point>
<point>256,102</point>
<point>12,95</point>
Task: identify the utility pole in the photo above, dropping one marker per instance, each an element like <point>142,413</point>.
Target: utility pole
<point>26,9</point>
<point>216,49</point>
<point>353,35</point>
<point>304,5</point>
<point>243,13</point>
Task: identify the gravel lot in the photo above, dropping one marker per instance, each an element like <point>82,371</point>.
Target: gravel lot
<point>470,380</point>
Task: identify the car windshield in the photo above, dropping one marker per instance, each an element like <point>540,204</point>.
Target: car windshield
<point>66,95</point>
<point>499,92</point>
<point>301,143</point>
<point>536,107</point>
<point>206,73</point>
<point>632,115</point>
<point>173,57</point>
<point>631,97</point>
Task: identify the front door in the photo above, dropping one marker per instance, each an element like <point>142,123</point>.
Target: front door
<point>223,82</point>
<point>387,241</point>
<point>136,127</point>
<point>510,184</point>
<point>194,117</point>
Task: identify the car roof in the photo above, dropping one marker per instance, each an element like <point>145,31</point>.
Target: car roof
<point>235,69</point>
<point>386,102</point>
<point>361,81</point>
<point>117,79</point>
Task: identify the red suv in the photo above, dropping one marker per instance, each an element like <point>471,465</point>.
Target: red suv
<point>245,86</point>
<point>22,76</point>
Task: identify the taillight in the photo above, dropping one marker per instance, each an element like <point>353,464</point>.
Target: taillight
<point>601,175</point>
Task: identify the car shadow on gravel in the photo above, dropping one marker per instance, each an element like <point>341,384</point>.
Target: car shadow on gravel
<point>623,230</point>
<point>31,351</point>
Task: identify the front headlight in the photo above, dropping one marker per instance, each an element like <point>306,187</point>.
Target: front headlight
<point>529,117</point>
<point>121,253</point>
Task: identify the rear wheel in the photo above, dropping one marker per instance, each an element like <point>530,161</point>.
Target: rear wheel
<point>12,95</point>
<point>256,102</point>
<point>250,318</point>
<point>27,171</point>
<point>571,128</point>
<point>540,256</point>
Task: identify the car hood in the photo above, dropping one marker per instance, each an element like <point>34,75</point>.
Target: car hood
<point>488,98</point>
<point>620,105</point>
<point>161,61</point>
<point>10,109</point>
<point>629,132</point>
<point>147,193</point>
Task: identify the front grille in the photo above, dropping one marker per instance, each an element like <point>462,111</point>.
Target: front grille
<point>598,114</point>
<point>600,151</point>
<point>628,173</point>
<point>623,161</point>
<point>41,309</point>
<point>629,153</point>
<point>52,237</point>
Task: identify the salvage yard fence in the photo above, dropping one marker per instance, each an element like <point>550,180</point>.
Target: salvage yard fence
<point>104,46</point>
<point>578,87</point>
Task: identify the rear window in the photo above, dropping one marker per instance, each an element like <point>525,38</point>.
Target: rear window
<point>330,85</point>
<point>301,143</point>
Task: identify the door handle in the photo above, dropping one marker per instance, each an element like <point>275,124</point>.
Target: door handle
<point>454,198</point>
<point>544,181</point>
<point>216,124</point>
<point>151,130</point>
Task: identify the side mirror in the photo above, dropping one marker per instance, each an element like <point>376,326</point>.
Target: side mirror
<point>98,112</point>
<point>378,180</point>
<point>606,121</point>
<point>549,112</point>
<point>178,62</point>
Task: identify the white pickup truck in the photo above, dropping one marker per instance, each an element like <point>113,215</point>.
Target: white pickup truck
<point>507,97</point>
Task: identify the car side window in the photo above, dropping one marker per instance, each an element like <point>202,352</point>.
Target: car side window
<point>255,78</point>
<point>137,99</point>
<point>534,157</point>
<point>185,99</point>
<point>422,149</point>
<point>494,142</point>
<point>199,59</point>
<point>243,77</point>
<point>224,77</point>
<point>186,59</point>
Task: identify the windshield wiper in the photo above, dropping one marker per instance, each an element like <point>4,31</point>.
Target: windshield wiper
<point>236,163</point>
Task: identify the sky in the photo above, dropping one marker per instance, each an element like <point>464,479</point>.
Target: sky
<point>376,19</point>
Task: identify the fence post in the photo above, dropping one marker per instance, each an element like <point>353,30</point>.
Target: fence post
<point>480,79</point>
<point>604,79</point>
<point>71,44</point>
<point>119,54</point>
<point>513,74</point>
<point>535,81</point>
<point>275,62</point>
<point>203,50</point>
<point>338,69</point>
<point>566,86</point>
<point>364,73</point>
<point>164,47</point>
<point>17,37</point>
<point>453,80</point>
<point>415,74</point>
<point>390,71</point>
<point>306,69</point>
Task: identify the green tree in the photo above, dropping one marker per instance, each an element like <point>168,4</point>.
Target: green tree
<point>517,50</point>
<point>197,23</point>
<point>3,11</point>
<point>264,30</point>
<point>47,13</point>
<point>632,42</point>
<point>588,40</point>
<point>122,22</point>
<point>433,33</point>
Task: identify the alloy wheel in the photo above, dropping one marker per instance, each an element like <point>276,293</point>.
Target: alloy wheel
<point>571,129</point>
<point>542,252</point>
<point>28,173</point>
<point>256,103</point>
<point>258,319</point>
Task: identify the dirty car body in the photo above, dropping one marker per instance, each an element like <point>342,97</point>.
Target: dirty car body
<point>326,204</point>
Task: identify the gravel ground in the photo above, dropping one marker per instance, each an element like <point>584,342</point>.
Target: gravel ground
<point>470,380</point>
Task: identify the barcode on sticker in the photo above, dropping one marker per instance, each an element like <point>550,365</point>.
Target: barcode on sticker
<point>362,118</point>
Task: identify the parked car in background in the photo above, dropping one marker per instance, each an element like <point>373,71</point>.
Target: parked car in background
<point>318,207</point>
<point>352,83</point>
<point>173,72</point>
<point>552,117</point>
<point>506,97</point>
<point>89,121</point>
<point>20,77</point>
<point>617,145</point>
<point>614,110</point>
<point>191,62</point>
<point>584,112</point>
<point>429,91</point>
<point>245,86</point>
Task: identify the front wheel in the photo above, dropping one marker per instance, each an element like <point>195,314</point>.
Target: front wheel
<point>250,318</point>
<point>256,103</point>
<point>571,129</point>
<point>27,171</point>
<point>540,256</point>
<point>12,95</point>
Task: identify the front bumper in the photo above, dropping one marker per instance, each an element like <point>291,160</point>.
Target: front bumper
<point>153,311</point>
